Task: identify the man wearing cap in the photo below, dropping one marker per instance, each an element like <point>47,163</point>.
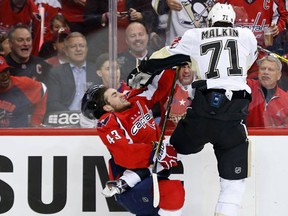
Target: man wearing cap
<point>59,56</point>
<point>22,100</point>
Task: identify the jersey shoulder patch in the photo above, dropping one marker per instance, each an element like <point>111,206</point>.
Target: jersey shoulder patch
<point>175,42</point>
<point>103,122</point>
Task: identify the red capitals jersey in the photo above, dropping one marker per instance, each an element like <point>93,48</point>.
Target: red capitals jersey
<point>22,102</point>
<point>257,14</point>
<point>128,135</point>
<point>28,15</point>
<point>181,100</point>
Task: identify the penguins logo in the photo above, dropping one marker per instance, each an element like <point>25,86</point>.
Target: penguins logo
<point>197,11</point>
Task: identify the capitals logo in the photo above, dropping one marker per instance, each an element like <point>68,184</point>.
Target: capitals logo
<point>143,120</point>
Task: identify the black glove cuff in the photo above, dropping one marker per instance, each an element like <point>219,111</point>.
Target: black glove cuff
<point>200,85</point>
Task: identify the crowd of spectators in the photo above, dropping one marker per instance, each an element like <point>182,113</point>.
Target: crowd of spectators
<point>63,46</point>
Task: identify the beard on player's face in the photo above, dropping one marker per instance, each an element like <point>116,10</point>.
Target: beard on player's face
<point>122,108</point>
<point>120,105</point>
<point>116,100</point>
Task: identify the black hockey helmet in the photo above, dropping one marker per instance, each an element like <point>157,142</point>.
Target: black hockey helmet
<point>93,102</point>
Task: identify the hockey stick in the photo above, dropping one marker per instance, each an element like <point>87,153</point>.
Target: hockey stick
<point>156,193</point>
<point>274,54</point>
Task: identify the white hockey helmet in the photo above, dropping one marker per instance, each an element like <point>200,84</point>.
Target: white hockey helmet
<point>221,13</point>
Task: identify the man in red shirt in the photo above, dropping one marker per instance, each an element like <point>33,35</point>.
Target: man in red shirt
<point>269,105</point>
<point>22,100</point>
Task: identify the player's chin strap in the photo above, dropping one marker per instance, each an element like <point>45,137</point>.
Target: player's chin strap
<point>274,54</point>
<point>156,193</point>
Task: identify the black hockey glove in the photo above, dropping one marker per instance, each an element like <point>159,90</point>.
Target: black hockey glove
<point>200,85</point>
<point>139,77</point>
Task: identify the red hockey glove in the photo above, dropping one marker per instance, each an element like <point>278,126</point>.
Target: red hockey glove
<point>167,156</point>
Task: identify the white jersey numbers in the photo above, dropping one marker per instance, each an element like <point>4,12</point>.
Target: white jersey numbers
<point>112,136</point>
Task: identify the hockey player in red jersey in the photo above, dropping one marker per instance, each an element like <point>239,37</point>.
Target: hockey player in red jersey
<point>127,128</point>
<point>221,54</point>
<point>22,100</point>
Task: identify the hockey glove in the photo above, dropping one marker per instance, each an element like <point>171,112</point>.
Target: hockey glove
<point>114,187</point>
<point>138,77</point>
<point>200,85</point>
<point>167,155</point>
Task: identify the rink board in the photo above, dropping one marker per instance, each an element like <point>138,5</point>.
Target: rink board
<point>63,175</point>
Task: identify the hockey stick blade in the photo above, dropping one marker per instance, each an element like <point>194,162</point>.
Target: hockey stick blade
<point>156,193</point>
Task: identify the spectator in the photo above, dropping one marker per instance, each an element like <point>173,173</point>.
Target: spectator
<point>269,105</point>
<point>20,58</point>
<point>283,82</point>
<point>256,15</point>
<point>127,129</point>
<point>137,39</point>
<point>68,82</point>
<point>182,16</point>
<point>58,45</point>
<point>182,96</point>
<point>96,14</point>
<point>57,22</point>
<point>22,100</point>
<point>103,73</point>
<point>73,11</point>
<point>52,9</point>
<point>23,12</point>
<point>4,44</point>
<point>96,22</point>
<point>97,19</point>
<point>142,11</point>
<point>102,70</point>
